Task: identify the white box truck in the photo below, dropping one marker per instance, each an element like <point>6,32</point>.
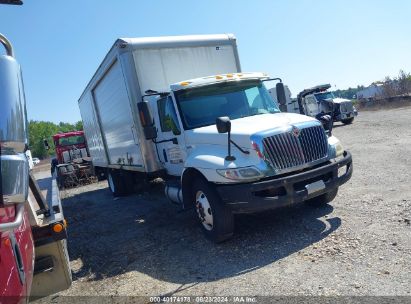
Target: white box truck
<point>160,107</point>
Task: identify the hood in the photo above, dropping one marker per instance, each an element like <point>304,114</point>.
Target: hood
<point>243,128</point>
<point>340,100</point>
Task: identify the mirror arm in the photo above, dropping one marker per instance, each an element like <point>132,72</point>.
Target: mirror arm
<point>272,79</point>
<point>239,148</point>
<point>229,157</point>
<point>162,94</point>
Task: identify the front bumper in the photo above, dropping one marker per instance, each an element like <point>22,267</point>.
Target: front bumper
<point>286,190</point>
<point>343,116</point>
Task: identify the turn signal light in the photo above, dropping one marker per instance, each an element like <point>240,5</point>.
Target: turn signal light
<point>143,121</point>
<point>257,150</point>
<point>57,228</point>
<point>7,242</point>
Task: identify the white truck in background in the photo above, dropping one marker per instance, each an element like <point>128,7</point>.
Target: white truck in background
<point>180,108</point>
<point>317,101</point>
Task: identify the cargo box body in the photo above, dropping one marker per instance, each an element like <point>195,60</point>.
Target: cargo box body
<point>108,105</point>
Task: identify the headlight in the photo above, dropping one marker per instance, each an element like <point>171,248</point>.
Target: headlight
<point>246,173</point>
<point>339,149</point>
<point>336,145</point>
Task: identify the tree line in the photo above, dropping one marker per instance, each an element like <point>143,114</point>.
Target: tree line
<point>349,93</point>
<point>396,86</point>
<point>399,85</point>
<point>40,130</point>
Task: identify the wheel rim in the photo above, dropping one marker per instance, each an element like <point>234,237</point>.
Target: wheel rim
<point>204,211</point>
<point>111,182</point>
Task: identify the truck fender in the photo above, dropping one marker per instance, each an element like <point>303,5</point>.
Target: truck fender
<point>187,178</point>
<point>203,163</point>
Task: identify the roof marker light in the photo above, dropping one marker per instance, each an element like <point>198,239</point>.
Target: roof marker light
<point>185,83</point>
<point>219,77</point>
<point>229,75</point>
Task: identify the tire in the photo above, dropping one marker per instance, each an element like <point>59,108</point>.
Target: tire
<point>216,220</point>
<point>60,177</point>
<point>115,183</point>
<point>347,121</point>
<point>100,174</point>
<point>54,163</point>
<point>323,199</point>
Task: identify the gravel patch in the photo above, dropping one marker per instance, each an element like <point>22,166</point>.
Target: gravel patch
<point>142,245</point>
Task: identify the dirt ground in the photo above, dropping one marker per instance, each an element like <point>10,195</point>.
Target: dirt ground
<point>142,245</point>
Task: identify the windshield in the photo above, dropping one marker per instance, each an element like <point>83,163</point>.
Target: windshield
<point>325,95</point>
<point>72,140</point>
<point>201,107</point>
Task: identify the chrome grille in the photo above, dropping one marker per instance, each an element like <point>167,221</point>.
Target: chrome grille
<point>346,107</point>
<point>286,150</point>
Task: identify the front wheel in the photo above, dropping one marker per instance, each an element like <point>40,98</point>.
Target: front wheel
<point>323,199</point>
<point>216,219</point>
<point>347,121</point>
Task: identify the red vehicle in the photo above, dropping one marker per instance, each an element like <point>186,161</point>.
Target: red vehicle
<point>72,162</point>
<point>17,252</point>
<point>69,146</point>
<point>33,251</point>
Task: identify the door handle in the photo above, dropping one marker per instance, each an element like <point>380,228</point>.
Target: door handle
<point>17,220</point>
<point>165,155</point>
<point>17,256</point>
<point>174,140</point>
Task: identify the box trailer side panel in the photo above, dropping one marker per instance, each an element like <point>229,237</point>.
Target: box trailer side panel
<point>158,68</point>
<point>117,124</point>
<point>92,131</point>
<point>132,66</point>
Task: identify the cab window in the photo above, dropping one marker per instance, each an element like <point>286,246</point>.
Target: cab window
<point>168,116</point>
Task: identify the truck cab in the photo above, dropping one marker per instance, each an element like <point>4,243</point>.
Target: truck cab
<point>72,162</point>
<point>266,160</point>
<point>70,146</point>
<point>316,100</point>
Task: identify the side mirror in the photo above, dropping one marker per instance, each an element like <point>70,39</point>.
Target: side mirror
<point>223,124</point>
<point>46,144</point>
<point>282,99</point>
<point>327,122</point>
<point>147,121</point>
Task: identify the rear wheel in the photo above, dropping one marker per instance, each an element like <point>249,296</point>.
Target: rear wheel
<point>60,177</point>
<point>216,219</point>
<point>323,199</point>
<point>347,121</point>
<point>100,174</point>
<point>115,183</point>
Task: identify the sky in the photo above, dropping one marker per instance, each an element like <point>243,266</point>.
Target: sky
<point>60,44</point>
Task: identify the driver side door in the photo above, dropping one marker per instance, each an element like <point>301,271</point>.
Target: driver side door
<point>170,142</point>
